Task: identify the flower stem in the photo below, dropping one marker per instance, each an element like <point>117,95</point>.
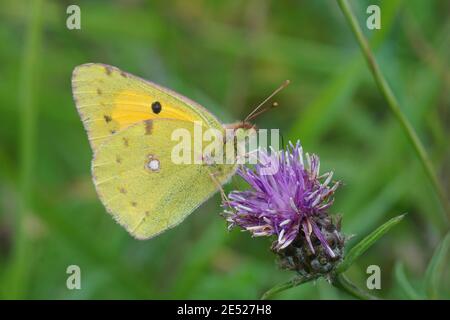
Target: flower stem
<point>343,283</point>
<point>394,106</point>
<point>285,286</point>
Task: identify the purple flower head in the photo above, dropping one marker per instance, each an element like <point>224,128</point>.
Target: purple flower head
<point>283,202</point>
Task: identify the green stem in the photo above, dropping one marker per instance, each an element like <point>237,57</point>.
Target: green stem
<point>285,286</point>
<point>394,106</point>
<point>343,283</point>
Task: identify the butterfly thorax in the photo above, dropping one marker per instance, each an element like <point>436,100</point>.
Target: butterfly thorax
<point>238,142</point>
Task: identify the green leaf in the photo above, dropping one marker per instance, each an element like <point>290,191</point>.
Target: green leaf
<point>365,243</point>
<point>342,282</point>
<point>436,268</point>
<point>403,282</point>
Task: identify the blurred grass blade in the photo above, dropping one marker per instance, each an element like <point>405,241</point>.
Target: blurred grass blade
<point>334,97</point>
<point>403,282</point>
<point>16,274</point>
<point>199,258</point>
<point>298,280</point>
<point>394,105</point>
<point>367,242</point>
<point>436,268</point>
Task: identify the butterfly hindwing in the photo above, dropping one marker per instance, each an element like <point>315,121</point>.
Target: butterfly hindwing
<point>148,198</point>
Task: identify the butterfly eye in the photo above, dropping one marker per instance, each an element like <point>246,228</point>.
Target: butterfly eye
<point>156,107</point>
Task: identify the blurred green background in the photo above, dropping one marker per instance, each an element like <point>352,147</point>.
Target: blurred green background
<point>228,56</point>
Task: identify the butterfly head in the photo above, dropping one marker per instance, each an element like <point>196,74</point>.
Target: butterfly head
<point>240,130</point>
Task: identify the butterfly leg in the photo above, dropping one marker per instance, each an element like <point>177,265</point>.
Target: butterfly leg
<point>219,186</point>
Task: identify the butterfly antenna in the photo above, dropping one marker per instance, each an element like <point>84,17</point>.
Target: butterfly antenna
<point>273,105</point>
<point>257,111</point>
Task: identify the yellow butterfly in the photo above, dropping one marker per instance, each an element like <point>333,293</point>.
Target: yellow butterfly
<point>129,122</point>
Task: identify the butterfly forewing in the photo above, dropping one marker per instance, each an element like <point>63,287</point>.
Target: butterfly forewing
<point>110,100</point>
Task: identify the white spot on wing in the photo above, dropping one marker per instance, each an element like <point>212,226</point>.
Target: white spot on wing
<point>152,163</point>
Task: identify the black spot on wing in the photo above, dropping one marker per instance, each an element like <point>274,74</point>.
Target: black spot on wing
<point>156,107</point>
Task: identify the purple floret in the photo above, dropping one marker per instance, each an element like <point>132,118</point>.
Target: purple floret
<point>282,202</point>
